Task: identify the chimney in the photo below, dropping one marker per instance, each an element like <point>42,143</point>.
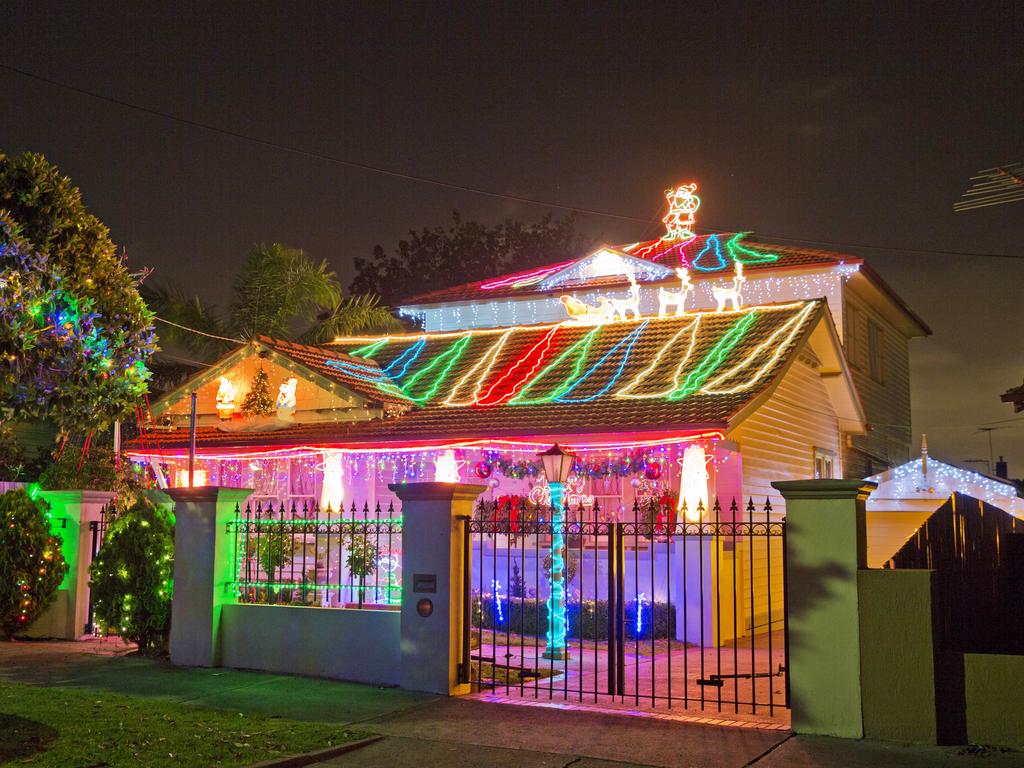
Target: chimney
<point>1001,469</point>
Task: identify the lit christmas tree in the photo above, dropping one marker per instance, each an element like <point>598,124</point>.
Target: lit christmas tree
<point>258,400</point>
<point>31,562</point>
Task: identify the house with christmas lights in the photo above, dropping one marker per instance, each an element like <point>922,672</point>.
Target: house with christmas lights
<point>908,495</point>
<point>693,366</point>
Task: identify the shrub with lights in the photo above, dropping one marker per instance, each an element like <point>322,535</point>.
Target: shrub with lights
<point>132,576</point>
<point>31,562</point>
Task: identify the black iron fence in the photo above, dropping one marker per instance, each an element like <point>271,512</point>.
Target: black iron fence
<point>664,608</point>
<point>97,531</point>
<point>304,556</point>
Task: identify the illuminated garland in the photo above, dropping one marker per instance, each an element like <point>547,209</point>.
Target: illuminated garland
<point>523,279</point>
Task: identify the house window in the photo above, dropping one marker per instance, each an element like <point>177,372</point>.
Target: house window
<point>850,337</point>
<point>876,351</point>
<point>824,461</point>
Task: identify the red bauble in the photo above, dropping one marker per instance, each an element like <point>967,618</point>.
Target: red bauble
<point>653,471</point>
<point>483,470</point>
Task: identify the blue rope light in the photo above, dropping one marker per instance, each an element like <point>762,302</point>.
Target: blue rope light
<point>712,241</point>
<point>629,341</point>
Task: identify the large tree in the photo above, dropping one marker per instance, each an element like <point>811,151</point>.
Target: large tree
<point>465,252</point>
<point>279,292</point>
<point>76,335</point>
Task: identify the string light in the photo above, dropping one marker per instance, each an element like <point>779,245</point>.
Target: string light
<point>522,279</point>
<point>486,362</point>
<point>712,244</point>
<point>370,349</point>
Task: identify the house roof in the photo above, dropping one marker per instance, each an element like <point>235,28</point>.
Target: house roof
<point>665,376</point>
<point>311,358</point>
<point>705,255</point>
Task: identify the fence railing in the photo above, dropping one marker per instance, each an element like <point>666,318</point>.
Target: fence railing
<point>305,556</point>
<point>654,605</point>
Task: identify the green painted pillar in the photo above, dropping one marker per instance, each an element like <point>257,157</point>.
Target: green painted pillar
<point>70,515</point>
<point>203,559</point>
<point>826,544</point>
<point>432,570</point>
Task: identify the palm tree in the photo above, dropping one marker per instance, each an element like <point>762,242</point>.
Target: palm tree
<point>278,292</point>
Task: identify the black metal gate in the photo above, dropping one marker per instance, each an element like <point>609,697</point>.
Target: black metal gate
<point>658,612</point>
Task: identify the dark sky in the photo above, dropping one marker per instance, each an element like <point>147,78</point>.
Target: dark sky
<point>836,122</point>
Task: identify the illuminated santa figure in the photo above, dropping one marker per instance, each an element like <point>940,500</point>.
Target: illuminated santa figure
<point>225,398</point>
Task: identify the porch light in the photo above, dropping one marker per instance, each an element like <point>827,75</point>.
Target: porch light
<point>558,466</point>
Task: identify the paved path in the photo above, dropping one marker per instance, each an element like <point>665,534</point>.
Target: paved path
<point>422,731</point>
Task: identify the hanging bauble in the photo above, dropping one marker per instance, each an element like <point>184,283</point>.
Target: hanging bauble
<point>483,470</point>
<point>653,471</point>
<point>493,482</point>
<point>635,482</point>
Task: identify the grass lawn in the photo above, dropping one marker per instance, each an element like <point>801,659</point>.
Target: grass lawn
<point>80,728</point>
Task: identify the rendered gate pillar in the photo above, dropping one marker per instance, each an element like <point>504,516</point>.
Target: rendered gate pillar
<point>826,544</point>
<point>202,570</point>
<point>70,515</point>
<point>432,562</point>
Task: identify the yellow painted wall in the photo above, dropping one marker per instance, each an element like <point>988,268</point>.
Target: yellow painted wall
<point>314,403</point>
<point>888,531</point>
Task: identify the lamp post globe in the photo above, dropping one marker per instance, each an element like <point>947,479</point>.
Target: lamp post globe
<point>558,466</point>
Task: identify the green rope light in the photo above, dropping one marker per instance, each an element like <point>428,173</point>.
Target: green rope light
<point>748,256</point>
<point>369,350</point>
<point>713,359</point>
<point>449,358</point>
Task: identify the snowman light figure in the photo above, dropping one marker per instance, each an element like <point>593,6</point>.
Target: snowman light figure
<point>286,400</point>
<point>446,468</point>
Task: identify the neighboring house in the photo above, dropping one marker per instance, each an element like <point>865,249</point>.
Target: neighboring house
<point>909,494</point>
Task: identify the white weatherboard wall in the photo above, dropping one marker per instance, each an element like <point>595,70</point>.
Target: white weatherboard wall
<point>777,442</point>
<point>357,645</point>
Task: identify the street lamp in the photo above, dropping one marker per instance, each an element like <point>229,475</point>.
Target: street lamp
<point>558,466</point>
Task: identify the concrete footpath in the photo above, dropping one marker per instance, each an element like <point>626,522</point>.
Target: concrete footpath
<point>424,731</point>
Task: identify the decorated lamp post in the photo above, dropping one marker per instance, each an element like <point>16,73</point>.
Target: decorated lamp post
<point>557,468</point>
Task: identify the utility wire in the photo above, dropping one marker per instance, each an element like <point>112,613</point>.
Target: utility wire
<point>461,187</point>
<point>201,333</point>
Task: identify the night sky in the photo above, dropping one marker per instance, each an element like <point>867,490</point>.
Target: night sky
<point>834,123</point>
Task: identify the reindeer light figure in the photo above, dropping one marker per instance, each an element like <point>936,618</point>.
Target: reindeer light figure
<point>623,307</point>
<point>733,295</point>
<point>676,299</point>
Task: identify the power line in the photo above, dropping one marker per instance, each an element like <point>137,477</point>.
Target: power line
<point>201,333</point>
<point>460,187</point>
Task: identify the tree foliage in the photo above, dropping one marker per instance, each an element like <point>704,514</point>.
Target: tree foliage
<point>131,577</point>
<point>75,334</point>
<point>31,562</point>
<point>465,252</point>
<point>279,292</point>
